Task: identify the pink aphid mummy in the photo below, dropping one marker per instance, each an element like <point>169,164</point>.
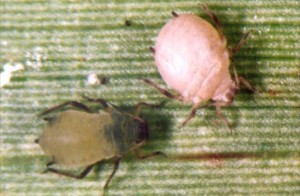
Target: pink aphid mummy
<point>193,59</point>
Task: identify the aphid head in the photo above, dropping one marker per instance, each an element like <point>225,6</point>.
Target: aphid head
<point>135,131</point>
<point>226,92</point>
<point>230,93</point>
<point>143,133</point>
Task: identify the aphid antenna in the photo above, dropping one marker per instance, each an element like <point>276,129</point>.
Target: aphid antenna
<point>174,14</point>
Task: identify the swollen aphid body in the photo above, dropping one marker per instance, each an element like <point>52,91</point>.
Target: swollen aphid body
<point>75,138</point>
<point>193,59</point>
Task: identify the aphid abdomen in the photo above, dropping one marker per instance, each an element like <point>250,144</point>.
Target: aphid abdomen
<point>77,139</point>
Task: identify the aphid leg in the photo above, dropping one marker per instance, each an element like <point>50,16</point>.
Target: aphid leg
<point>152,49</point>
<point>218,106</point>
<point>47,118</point>
<point>139,106</point>
<point>163,91</point>
<point>50,163</point>
<point>116,166</point>
<point>145,156</point>
<point>234,50</point>
<point>247,84</point>
<point>236,76</point>
<point>72,103</point>
<point>192,115</point>
<point>64,173</point>
<point>215,20</point>
<point>99,100</point>
<point>174,14</point>
<point>238,79</point>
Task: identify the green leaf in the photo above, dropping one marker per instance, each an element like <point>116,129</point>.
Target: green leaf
<point>60,43</point>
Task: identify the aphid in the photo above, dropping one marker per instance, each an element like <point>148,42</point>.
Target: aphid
<point>192,58</point>
<point>74,138</point>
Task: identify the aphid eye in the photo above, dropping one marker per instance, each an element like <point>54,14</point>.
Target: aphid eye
<point>142,132</point>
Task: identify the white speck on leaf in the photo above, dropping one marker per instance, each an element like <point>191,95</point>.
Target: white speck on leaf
<point>8,69</point>
<point>93,79</point>
<point>143,96</point>
<point>115,47</point>
<point>36,57</point>
<point>4,43</point>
